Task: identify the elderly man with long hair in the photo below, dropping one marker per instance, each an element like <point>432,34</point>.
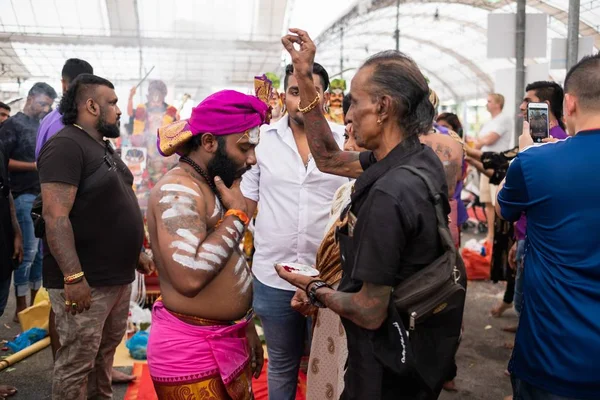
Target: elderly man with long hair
<point>392,227</point>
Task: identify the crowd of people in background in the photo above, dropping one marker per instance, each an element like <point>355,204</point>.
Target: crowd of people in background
<point>371,204</point>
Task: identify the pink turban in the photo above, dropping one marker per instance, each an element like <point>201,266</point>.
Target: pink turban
<point>223,113</point>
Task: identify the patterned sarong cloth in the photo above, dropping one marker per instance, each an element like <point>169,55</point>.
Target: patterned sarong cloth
<point>202,359</point>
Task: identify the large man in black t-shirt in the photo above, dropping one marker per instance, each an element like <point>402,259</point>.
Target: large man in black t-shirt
<point>94,235</point>
<point>18,135</point>
<point>392,227</point>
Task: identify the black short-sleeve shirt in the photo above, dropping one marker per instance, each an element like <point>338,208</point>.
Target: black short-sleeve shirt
<point>106,219</point>
<point>396,233</point>
<point>18,135</point>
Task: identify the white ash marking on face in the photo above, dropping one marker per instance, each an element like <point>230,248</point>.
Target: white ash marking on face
<point>175,187</point>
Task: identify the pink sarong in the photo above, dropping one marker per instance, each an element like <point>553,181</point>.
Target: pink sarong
<point>187,358</point>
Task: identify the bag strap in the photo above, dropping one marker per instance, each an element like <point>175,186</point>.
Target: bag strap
<point>436,200</point>
<point>98,172</point>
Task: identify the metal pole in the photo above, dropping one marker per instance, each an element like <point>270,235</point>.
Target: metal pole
<point>520,64</point>
<point>342,52</point>
<point>573,34</point>
<point>397,32</point>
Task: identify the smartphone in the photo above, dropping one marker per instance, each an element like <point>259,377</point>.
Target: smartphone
<point>537,115</point>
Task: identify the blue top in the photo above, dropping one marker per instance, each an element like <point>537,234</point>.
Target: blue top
<point>557,347</point>
<point>50,126</point>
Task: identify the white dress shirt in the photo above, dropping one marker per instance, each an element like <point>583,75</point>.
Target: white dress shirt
<point>294,202</point>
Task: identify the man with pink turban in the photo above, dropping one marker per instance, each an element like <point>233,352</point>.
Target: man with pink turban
<point>203,343</point>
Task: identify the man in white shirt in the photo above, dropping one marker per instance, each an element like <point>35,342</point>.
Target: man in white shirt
<point>494,136</point>
<point>295,199</point>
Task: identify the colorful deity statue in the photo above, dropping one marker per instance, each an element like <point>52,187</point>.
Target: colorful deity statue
<point>335,111</point>
<point>275,102</point>
<point>146,119</point>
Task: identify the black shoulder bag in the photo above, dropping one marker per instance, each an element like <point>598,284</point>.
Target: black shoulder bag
<point>433,301</point>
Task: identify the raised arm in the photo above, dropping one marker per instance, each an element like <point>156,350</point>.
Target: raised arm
<point>130,109</point>
<point>192,257</point>
<point>325,151</point>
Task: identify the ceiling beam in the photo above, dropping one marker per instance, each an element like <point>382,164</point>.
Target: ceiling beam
<point>132,41</point>
<point>120,14</point>
<point>478,72</point>
<point>556,13</point>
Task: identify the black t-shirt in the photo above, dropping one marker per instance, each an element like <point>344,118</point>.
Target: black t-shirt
<point>394,235</point>
<point>18,134</point>
<point>7,264</point>
<point>106,219</point>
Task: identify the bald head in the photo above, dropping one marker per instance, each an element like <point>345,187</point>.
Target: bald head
<point>583,82</point>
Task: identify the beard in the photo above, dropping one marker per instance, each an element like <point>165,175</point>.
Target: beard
<point>224,167</point>
<point>298,118</point>
<point>107,130</point>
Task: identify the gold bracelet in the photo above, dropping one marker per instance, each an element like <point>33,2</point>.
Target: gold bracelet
<point>71,278</point>
<point>311,106</point>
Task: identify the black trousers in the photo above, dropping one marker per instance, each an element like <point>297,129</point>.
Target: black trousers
<point>509,293</point>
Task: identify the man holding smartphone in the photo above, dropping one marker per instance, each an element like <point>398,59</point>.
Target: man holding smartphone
<point>552,94</point>
<point>558,341</point>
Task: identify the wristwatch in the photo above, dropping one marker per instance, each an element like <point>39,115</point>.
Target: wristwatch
<point>312,292</point>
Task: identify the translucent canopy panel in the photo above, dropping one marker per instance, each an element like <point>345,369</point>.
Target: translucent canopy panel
<point>190,44</point>
<point>447,39</point>
<point>198,46</point>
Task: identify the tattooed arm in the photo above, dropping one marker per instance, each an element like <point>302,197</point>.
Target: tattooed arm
<point>21,166</point>
<point>18,235</point>
<point>323,147</point>
<point>367,308</point>
<point>450,152</point>
<point>58,199</point>
<point>13,216</point>
<point>191,256</point>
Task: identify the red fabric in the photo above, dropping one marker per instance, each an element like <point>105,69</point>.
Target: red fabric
<point>477,266</point>
<point>143,389</point>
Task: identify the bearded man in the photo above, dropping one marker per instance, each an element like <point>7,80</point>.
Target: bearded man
<point>203,340</point>
<point>93,236</point>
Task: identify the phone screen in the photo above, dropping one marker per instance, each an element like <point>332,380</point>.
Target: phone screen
<point>538,122</point>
